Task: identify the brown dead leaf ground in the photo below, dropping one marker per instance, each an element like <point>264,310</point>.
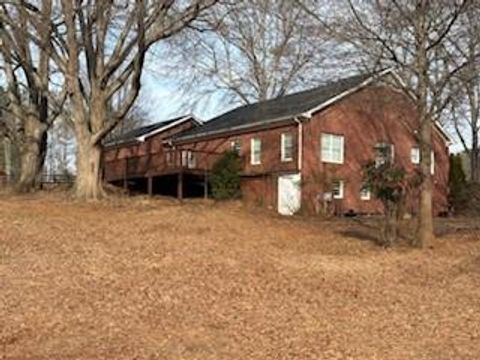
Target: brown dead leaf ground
<point>153,279</point>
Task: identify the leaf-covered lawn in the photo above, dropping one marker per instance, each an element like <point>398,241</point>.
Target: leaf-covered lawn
<point>154,279</point>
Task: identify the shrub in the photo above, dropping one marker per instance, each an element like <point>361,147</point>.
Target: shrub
<point>225,177</point>
<point>388,184</point>
<point>458,190</point>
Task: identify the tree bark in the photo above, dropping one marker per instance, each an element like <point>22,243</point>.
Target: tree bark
<point>425,233</point>
<point>390,227</point>
<point>424,236</point>
<point>32,157</point>
<point>88,185</point>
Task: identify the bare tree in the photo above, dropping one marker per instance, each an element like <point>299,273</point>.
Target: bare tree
<point>101,49</point>
<point>416,38</point>
<point>61,148</point>
<point>465,106</point>
<point>254,50</point>
<point>26,65</point>
<point>135,117</point>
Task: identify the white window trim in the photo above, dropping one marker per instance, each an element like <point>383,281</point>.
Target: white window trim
<point>233,145</point>
<point>282,147</point>
<point>252,152</point>
<point>342,149</point>
<point>365,194</point>
<point>340,190</point>
<point>415,155</point>
<point>432,163</point>
<point>188,159</point>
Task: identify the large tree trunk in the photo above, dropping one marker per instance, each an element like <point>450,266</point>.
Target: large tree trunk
<point>32,157</point>
<point>425,234</point>
<point>88,185</point>
<point>390,226</point>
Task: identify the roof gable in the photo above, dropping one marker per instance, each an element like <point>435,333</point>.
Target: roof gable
<point>141,133</point>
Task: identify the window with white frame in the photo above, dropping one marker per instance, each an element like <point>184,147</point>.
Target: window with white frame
<point>286,147</point>
<point>188,159</point>
<point>337,189</point>
<point>365,193</point>
<point>415,155</point>
<point>432,163</point>
<point>332,148</point>
<point>236,146</point>
<point>384,153</point>
<point>255,151</point>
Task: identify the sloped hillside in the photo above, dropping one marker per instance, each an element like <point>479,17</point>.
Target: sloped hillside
<point>153,279</point>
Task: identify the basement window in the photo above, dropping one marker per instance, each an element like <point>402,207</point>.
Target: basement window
<point>337,189</point>
<point>286,147</point>
<point>255,151</point>
<point>365,194</point>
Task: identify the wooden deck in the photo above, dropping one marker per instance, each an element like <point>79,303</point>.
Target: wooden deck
<point>160,164</point>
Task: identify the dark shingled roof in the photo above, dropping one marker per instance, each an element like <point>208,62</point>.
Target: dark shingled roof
<point>283,107</point>
<point>132,135</point>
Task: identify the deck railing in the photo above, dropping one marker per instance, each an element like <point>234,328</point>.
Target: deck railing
<point>156,164</point>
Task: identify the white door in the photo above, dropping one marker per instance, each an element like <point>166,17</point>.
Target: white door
<point>289,194</point>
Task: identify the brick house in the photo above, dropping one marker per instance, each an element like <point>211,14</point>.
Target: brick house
<point>306,150</point>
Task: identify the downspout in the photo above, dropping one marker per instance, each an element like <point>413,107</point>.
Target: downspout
<point>300,144</point>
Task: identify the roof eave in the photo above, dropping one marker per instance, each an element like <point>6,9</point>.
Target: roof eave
<point>235,128</point>
<point>307,114</point>
<point>169,126</point>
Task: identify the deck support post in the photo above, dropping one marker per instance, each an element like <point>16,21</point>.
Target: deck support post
<point>180,186</point>
<point>205,185</point>
<point>125,171</point>
<point>150,185</point>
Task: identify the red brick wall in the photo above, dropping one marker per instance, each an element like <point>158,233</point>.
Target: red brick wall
<point>270,154</point>
<point>371,116</point>
<point>259,183</point>
<point>260,191</point>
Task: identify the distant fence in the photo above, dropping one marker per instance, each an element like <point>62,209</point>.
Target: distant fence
<point>57,179</point>
<point>46,179</point>
<point>5,179</point>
